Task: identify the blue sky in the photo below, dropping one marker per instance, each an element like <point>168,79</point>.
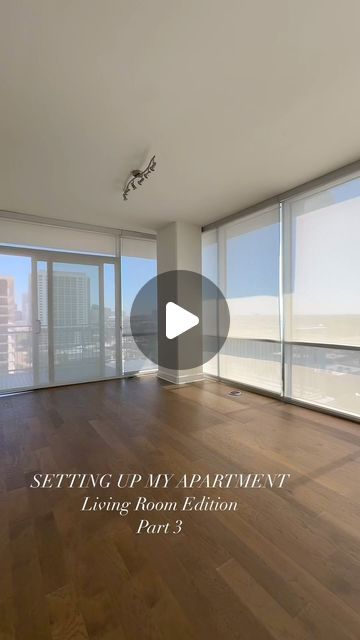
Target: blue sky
<point>252,263</point>
<point>346,190</point>
<point>20,268</point>
<point>135,273</point>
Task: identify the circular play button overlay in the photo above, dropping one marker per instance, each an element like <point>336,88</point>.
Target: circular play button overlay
<point>179,319</point>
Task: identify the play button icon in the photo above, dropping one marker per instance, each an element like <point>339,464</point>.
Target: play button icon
<point>178,320</point>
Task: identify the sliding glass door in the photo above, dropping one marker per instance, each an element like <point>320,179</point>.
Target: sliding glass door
<point>16,322</point>
<point>23,322</point>
<point>78,342</point>
<point>60,315</point>
<point>40,315</point>
<point>110,320</point>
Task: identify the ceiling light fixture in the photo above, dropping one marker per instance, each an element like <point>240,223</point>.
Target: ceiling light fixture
<point>137,177</point>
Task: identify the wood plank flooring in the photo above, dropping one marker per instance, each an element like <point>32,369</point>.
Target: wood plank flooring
<point>285,566</point>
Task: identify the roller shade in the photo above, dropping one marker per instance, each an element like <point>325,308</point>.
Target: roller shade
<point>42,236</point>
<point>138,248</point>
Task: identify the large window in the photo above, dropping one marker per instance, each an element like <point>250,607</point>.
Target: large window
<point>64,316</point>
<point>247,272</point>
<point>322,297</point>
<point>301,338</point>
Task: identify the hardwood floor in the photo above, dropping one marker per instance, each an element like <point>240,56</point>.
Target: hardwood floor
<point>285,566</point>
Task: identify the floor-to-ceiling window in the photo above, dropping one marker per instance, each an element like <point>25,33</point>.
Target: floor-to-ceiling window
<point>322,297</point>
<point>65,304</point>
<point>291,276</point>
<point>252,352</point>
<point>247,272</point>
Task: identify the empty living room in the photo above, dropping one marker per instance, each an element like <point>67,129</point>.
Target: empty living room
<point>179,320</point>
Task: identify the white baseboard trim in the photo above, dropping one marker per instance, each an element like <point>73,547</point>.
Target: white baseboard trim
<point>179,378</point>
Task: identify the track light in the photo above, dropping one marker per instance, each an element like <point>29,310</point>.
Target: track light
<point>137,177</point>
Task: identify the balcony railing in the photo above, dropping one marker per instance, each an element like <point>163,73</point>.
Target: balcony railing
<point>70,343</point>
<point>79,352</point>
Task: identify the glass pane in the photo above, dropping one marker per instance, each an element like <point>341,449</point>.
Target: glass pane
<point>76,321</point>
<point>252,362</point>
<point>210,270</point>
<point>42,330</point>
<point>138,265</point>
<point>322,297</point>
<point>16,334</point>
<point>109,320</point>
<point>326,377</point>
<point>249,276</point>
<point>252,249</point>
<point>210,256</point>
<point>322,267</point>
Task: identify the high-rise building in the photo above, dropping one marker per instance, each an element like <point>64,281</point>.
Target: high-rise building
<point>71,298</point>
<point>7,318</point>
<point>25,307</point>
<point>42,292</point>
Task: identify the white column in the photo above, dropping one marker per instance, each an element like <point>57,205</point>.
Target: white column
<point>179,247</point>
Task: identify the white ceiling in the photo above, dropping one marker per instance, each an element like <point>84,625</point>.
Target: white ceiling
<point>238,99</point>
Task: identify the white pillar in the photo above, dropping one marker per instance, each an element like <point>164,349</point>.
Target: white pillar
<point>179,247</point>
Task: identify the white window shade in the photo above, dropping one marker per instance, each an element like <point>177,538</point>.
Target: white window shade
<point>138,248</point>
<point>322,297</point>
<point>322,270</point>
<point>243,259</point>
<point>43,236</point>
<point>251,275</point>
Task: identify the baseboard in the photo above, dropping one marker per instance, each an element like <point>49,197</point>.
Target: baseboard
<point>179,378</point>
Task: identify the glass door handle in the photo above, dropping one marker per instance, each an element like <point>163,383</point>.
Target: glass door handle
<point>38,328</point>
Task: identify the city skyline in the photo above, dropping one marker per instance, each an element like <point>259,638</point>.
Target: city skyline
<point>135,272</point>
